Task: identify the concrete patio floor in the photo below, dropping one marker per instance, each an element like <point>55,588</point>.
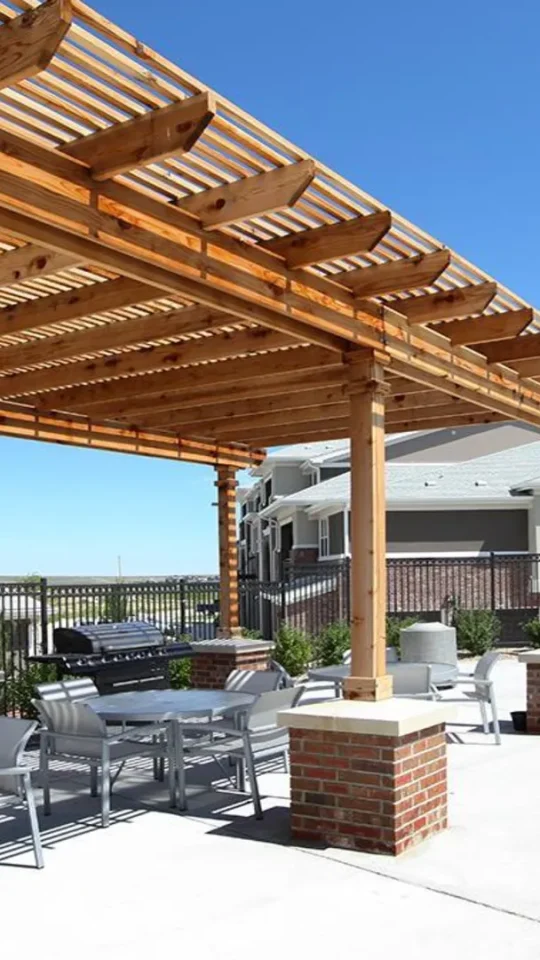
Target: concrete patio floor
<point>216,883</point>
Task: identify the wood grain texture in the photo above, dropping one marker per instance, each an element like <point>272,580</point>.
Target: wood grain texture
<point>332,241</point>
<point>407,274</point>
<point>29,42</point>
<point>447,305</point>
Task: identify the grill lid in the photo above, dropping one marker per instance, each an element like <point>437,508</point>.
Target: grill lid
<point>107,637</point>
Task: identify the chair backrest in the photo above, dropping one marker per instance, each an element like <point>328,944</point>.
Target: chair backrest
<point>14,735</point>
<point>80,688</point>
<point>264,711</point>
<point>410,678</point>
<point>392,655</point>
<point>253,681</point>
<point>346,658</point>
<point>284,679</point>
<point>67,719</point>
<point>483,671</point>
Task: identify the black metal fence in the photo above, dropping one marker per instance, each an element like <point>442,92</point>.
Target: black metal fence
<point>308,598</point>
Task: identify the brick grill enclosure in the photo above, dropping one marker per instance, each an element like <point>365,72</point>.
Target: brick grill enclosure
<point>533,698</point>
<point>377,794</point>
<point>210,670</point>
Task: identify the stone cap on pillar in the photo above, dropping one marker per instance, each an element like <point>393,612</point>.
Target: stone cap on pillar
<point>235,645</point>
<point>381,718</point>
<point>531,656</point>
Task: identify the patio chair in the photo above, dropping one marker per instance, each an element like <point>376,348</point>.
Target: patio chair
<point>84,688</point>
<point>252,681</point>
<point>391,656</point>
<point>259,739</point>
<point>73,730</point>
<point>484,690</point>
<point>14,777</point>
<point>412,680</point>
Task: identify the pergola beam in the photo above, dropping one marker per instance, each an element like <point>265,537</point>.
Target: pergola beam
<point>409,274</point>
<point>251,196</point>
<point>25,423</point>
<point>138,330</point>
<point>74,304</point>
<point>332,241</point>
<point>29,42</point>
<point>158,134</point>
<point>447,305</point>
<point>217,347</point>
<point>206,275</point>
<point>482,330</point>
<point>30,261</point>
<point>526,347</point>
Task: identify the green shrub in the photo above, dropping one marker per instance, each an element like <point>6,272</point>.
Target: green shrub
<point>332,642</point>
<point>531,629</point>
<point>180,673</point>
<point>393,627</point>
<point>476,630</point>
<point>293,650</point>
<point>248,634</point>
<point>18,690</point>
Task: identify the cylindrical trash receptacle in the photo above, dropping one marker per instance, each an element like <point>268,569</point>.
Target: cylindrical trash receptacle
<point>428,643</point>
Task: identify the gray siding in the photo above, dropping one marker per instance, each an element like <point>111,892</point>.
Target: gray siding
<point>418,531</point>
<point>463,443</point>
<point>287,479</point>
<point>306,531</point>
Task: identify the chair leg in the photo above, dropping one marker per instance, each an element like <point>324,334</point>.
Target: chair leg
<point>286,761</point>
<point>105,787</point>
<point>171,759</point>
<point>483,711</point>
<point>250,764</point>
<point>93,780</point>
<point>496,727</point>
<point>34,824</point>
<point>44,773</point>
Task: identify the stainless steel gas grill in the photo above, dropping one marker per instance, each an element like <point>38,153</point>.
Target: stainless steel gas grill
<point>118,656</point>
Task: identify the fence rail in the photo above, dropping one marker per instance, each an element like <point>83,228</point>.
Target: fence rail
<point>308,598</point>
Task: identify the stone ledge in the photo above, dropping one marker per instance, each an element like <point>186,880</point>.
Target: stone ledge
<point>231,646</point>
<point>531,656</point>
<point>395,717</point>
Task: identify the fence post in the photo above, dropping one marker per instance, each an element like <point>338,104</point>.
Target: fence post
<point>182,606</point>
<point>492,579</point>
<point>283,601</point>
<point>44,614</point>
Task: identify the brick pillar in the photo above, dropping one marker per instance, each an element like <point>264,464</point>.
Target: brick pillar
<point>214,660</point>
<point>365,780</point>
<point>532,661</point>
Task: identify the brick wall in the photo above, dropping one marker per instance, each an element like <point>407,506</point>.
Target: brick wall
<point>210,670</point>
<point>371,793</point>
<point>533,698</point>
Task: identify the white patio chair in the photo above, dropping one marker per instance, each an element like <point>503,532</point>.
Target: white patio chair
<point>259,739</point>
<point>253,681</point>
<point>391,656</point>
<point>412,680</point>
<point>484,690</point>
<point>79,688</point>
<point>15,779</point>
<point>74,731</point>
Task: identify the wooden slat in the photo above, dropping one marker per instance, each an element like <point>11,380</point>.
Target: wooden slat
<point>107,396</point>
<point>251,196</point>
<point>234,426</point>
<point>154,326</point>
<point>204,349</point>
<point>526,347</point>
<point>407,274</point>
<point>442,411</point>
<point>29,42</point>
<point>157,134</point>
<point>449,305</point>
<point>497,326</point>
<point>229,622</point>
<point>30,261</point>
<point>332,241</point>
<point>72,304</point>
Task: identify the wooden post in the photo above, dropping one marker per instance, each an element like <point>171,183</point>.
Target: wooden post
<point>228,553</point>
<point>367,390</point>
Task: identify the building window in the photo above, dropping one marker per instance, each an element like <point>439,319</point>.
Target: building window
<point>324,538</point>
<point>268,491</point>
<point>336,534</point>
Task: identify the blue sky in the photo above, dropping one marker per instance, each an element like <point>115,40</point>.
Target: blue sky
<point>430,107</point>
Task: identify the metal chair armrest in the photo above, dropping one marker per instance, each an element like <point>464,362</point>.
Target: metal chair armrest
<point>14,771</point>
<point>134,733</point>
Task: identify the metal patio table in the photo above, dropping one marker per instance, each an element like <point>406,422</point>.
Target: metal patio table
<point>170,707</point>
<point>442,674</point>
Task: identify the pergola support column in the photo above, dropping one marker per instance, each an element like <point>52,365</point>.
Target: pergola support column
<point>229,619</point>
<point>367,392</point>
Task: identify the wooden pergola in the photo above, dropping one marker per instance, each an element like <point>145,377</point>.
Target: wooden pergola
<point>177,280</point>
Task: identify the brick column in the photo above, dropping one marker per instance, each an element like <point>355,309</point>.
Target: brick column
<point>372,780</point>
<point>214,660</point>
<point>532,660</point>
